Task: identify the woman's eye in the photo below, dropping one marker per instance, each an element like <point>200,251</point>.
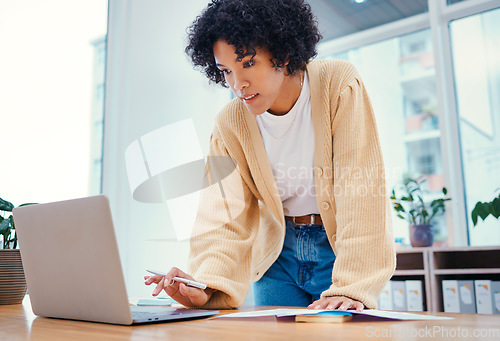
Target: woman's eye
<point>226,71</point>
<point>249,63</point>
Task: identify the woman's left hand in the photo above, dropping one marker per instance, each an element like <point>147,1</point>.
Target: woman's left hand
<point>336,302</point>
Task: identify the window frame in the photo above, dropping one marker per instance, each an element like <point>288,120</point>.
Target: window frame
<point>437,19</point>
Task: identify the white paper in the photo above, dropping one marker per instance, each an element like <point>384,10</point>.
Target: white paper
<point>483,297</point>
<point>466,294</point>
<point>399,298</point>
<point>497,300</point>
<point>385,299</point>
<point>450,296</point>
<point>272,312</point>
<point>370,312</point>
<point>414,299</point>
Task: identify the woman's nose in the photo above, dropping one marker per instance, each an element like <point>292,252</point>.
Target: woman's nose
<point>240,82</point>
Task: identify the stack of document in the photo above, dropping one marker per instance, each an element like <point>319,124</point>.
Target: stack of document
<point>471,296</point>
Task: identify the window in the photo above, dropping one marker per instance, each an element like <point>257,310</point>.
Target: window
<point>476,61</point>
<point>48,88</point>
<point>97,115</point>
<point>400,78</point>
<point>433,79</point>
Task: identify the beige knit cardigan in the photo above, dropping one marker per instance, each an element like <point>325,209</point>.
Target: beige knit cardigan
<point>351,196</point>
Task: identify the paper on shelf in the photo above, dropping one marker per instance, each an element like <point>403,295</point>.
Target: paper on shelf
<point>466,293</point>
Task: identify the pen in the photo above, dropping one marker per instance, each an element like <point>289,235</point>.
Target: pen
<point>182,280</point>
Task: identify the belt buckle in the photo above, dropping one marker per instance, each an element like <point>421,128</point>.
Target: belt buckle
<point>312,221</point>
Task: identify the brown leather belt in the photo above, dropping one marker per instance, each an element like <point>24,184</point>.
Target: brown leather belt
<point>310,219</point>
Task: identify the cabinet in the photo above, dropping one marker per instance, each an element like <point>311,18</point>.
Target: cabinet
<point>432,265</point>
<point>413,264</point>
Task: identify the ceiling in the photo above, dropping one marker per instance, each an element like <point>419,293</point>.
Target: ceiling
<point>338,18</point>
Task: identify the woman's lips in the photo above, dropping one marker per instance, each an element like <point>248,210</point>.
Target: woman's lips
<point>249,98</point>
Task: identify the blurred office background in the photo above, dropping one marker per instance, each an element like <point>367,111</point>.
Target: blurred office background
<point>81,80</point>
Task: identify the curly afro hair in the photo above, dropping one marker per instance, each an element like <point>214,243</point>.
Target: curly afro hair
<point>286,28</point>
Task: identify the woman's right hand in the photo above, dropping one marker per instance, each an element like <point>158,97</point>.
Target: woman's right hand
<point>180,292</point>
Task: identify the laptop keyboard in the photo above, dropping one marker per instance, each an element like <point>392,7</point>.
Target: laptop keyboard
<point>152,314</point>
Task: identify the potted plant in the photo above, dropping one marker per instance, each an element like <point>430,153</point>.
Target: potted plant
<point>484,209</point>
<point>12,280</point>
<point>409,204</point>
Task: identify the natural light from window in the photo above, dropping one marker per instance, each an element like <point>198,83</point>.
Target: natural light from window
<point>49,94</point>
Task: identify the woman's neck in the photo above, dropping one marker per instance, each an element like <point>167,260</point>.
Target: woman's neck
<point>289,94</point>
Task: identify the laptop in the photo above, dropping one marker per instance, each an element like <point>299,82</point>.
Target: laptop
<point>72,265</point>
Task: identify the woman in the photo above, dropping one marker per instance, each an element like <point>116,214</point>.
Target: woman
<point>313,226</point>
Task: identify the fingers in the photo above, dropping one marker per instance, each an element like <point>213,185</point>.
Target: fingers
<point>336,302</point>
<point>159,287</point>
<point>188,296</point>
<point>148,280</point>
<point>345,304</point>
<point>359,306</point>
<point>180,292</point>
<point>176,272</point>
<point>196,296</point>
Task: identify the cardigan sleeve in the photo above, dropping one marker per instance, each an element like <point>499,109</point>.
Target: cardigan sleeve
<point>224,231</point>
<point>364,246</point>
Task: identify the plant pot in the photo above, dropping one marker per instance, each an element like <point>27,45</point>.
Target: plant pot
<point>421,235</point>
<point>12,280</point>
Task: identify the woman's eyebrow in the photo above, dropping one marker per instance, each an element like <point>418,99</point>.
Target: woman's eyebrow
<point>237,59</point>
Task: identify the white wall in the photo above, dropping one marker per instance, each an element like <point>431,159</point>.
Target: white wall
<point>150,83</point>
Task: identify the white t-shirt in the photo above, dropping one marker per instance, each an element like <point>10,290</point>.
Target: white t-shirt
<point>289,143</point>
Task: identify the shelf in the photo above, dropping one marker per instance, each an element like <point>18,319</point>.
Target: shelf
<point>460,258</point>
<point>432,265</point>
<point>409,272</point>
<point>413,264</point>
<point>411,259</point>
<point>463,249</point>
<point>461,263</point>
<point>476,271</point>
<point>409,249</point>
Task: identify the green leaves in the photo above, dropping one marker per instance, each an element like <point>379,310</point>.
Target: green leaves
<point>6,205</point>
<point>484,209</point>
<point>410,204</point>
<point>5,227</point>
<point>399,208</point>
<point>5,230</point>
<point>495,207</point>
<point>7,224</point>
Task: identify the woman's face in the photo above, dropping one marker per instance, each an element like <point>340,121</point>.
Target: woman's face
<point>255,81</point>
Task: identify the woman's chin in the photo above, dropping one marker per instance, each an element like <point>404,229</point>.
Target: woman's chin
<point>255,111</point>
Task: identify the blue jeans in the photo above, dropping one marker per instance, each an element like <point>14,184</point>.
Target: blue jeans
<point>302,271</point>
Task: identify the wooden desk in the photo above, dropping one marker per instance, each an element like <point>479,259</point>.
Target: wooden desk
<point>17,322</point>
